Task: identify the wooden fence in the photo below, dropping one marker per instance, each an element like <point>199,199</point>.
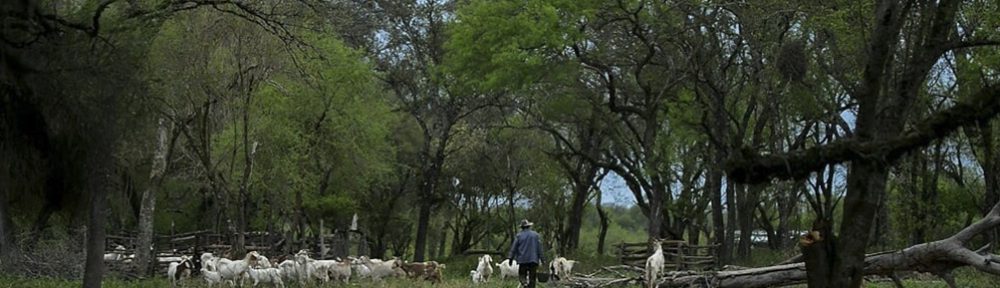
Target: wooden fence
<point>679,255</point>
<point>168,248</point>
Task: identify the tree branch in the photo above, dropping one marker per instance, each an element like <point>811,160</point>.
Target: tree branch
<point>751,167</point>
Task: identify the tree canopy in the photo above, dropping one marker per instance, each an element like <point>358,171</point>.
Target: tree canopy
<point>863,125</point>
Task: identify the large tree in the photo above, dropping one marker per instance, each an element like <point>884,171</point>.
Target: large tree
<point>890,76</point>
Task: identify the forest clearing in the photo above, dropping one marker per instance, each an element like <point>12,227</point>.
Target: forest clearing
<point>424,143</point>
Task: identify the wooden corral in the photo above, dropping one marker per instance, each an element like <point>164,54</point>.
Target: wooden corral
<point>341,244</point>
<point>679,255</point>
<point>169,248</point>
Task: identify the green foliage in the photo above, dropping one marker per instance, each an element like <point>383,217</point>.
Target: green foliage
<point>318,116</point>
<point>499,45</point>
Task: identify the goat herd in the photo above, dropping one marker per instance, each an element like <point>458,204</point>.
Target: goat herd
<point>560,268</point>
<point>258,269</point>
<point>301,268</point>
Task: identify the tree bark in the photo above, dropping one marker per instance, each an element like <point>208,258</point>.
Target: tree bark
<point>99,161</point>
<point>603,215</point>
<point>726,252</point>
<point>423,222</point>
<point>143,257</point>
<point>747,208</point>
<point>714,187</point>
<point>991,170</point>
<point>428,196</point>
<point>581,191</point>
<point>442,243</point>
<point>6,238</point>
<point>787,202</point>
<point>94,270</point>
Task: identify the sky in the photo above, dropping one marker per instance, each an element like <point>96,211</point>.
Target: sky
<point>614,191</point>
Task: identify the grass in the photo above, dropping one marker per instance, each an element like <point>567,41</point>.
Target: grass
<point>965,278</point>
<point>162,282</point>
<point>457,276</point>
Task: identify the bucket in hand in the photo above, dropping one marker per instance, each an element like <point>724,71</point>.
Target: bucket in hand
<point>542,277</point>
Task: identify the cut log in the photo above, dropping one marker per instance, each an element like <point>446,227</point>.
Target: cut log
<point>938,258</point>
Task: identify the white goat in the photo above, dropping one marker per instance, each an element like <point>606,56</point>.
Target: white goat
<point>381,269</point>
<point>236,269</point>
<point>313,269</point>
<point>263,262</point>
<point>208,261</point>
<point>508,268</point>
<point>176,271</point>
<point>476,278</point>
<point>561,268</point>
<point>654,264</point>
<point>266,275</point>
<point>340,271</point>
<point>289,269</point>
<point>485,268</point>
<point>212,277</point>
<point>360,269</point>
<point>117,254</point>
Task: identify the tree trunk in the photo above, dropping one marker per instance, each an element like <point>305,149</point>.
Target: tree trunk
<point>443,243</point>
<point>427,197</point>
<point>603,215</point>
<point>747,205</point>
<point>300,216</point>
<point>574,221</point>
<point>6,228</point>
<point>764,221</point>
<point>249,150</point>
<point>882,226</point>
<point>787,203</point>
<point>96,184</point>
<point>423,221</point>
<point>730,237</point>
<point>654,230</point>
<point>143,257</point>
<point>991,173</point>
<point>94,270</point>
<point>714,186</point>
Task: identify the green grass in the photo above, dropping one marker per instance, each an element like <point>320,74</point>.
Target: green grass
<point>162,282</point>
<point>457,276</point>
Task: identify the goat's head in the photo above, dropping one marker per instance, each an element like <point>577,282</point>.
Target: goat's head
<point>356,261</point>
<point>302,254</point>
<point>185,263</point>
<point>657,243</point>
<point>302,257</point>
<point>252,258</point>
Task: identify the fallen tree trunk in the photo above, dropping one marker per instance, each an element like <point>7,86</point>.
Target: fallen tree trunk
<point>939,258</point>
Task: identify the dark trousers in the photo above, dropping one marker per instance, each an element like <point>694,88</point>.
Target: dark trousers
<point>527,272</point>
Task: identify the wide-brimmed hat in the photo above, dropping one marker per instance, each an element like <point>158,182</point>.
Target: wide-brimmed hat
<point>526,223</point>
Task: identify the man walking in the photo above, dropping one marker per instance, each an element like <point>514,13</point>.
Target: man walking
<point>527,251</point>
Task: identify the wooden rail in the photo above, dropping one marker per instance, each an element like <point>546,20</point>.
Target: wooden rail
<point>167,248</point>
<point>170,247</point>
<point>679,255</point>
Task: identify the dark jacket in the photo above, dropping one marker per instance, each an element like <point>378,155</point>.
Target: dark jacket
<point>527,248</point>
